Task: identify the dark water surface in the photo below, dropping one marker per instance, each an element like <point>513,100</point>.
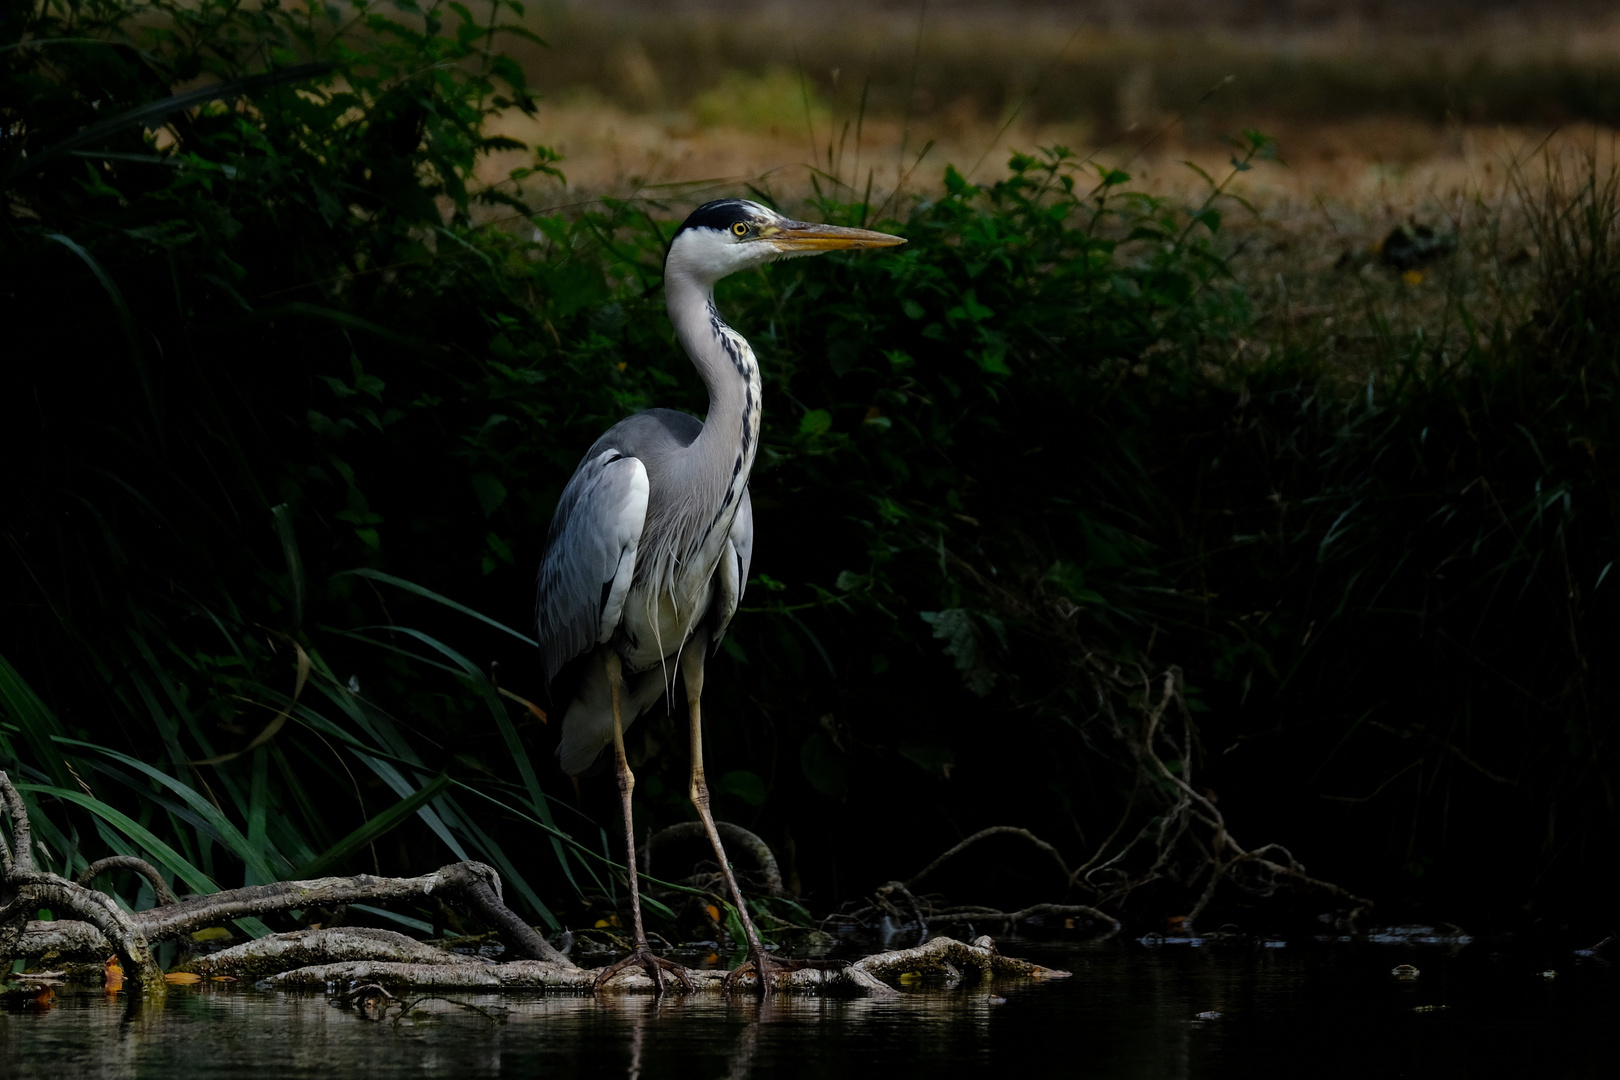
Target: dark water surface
<point>1127,1012</point>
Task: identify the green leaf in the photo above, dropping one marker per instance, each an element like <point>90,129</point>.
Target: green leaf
<point>281,515</point>
<point>384,823</point>
<point>255,858</point>
<point>657,907</point>
<point>490,491</point>
<point>816,423</point>
<point>930,757</point>
<point>428,594</point>
<point>747,786</point>
<point>823,765</point>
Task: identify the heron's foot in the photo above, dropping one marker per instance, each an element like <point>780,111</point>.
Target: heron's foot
<point>644,958</point>
<point>766,968</point>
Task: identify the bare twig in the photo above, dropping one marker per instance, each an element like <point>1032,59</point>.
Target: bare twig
<point>160,888</point>
<point>1012,918</point>
<point>1184,835</point>
<point>994,830</point>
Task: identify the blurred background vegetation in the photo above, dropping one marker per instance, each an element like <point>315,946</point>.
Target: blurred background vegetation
<point>306,329</point>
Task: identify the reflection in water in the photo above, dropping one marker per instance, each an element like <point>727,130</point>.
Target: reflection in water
<point>1128,1012</point>
<point>746,1037</point>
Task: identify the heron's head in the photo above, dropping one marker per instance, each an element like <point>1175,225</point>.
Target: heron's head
<point>728,235</point>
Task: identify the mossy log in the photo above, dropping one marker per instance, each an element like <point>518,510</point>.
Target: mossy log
<point>325,959</point>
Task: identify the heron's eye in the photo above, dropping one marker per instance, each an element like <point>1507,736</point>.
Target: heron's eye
<point>739,229</point>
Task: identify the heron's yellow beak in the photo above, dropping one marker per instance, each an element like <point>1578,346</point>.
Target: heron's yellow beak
<point>801,236</point>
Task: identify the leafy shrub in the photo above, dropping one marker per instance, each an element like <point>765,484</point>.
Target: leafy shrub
<point>295,425</point>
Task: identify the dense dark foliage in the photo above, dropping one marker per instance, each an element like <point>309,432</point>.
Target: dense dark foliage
<point>274,395</point>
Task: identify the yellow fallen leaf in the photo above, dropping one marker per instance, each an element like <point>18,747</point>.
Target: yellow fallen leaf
<point>535,710</point>
<point>910,977</point>
<point>714,912</point>
<point>1413,277</point>
<point>213,933</point>
<point>182,978</point>
<point>113,972</point>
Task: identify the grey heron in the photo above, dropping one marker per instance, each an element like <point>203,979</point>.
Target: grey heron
<point>649,550</point>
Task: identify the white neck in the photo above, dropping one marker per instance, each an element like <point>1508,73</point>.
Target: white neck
<point>718,463</point>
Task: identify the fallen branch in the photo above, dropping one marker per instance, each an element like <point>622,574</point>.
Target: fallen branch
<point>160,888</point>
<point>477,887</point>
<point>277,953</point>
<point>946,956</point>
<point>376,960</point>
<point>867,977</point>
<point>25,890</point>
<point>102,927</point>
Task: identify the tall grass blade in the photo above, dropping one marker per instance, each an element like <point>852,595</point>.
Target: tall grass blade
<point>151,848</point>
<point>37,723</point>
<point>281,515</point>
<point>373,830</point>
<point>428,594</point>
<point>254,858</point>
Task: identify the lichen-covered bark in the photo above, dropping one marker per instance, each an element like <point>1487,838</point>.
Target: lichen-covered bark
<point>474,885</point>
<point>310,948</point>
<point>945,956</point>
<point>24,890</point>
<point>870,976</point>
<point>530,975</point>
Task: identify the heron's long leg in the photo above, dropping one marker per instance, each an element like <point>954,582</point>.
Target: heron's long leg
<point>642,954</point>
<point>692,669</point>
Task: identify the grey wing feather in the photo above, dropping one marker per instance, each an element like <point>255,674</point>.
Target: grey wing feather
<point>733,570</point>
<point>590,556</point>
<point>742,538</point>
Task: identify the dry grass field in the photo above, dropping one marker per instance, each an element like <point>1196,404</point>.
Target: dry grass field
<point>1309,254</point>
<point>1441,115</point>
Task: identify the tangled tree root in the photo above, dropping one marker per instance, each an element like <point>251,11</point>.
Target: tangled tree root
<point>1169,831</point>
<point>1186,837</point>
<point>377,961</point>
<point>767,875</point>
